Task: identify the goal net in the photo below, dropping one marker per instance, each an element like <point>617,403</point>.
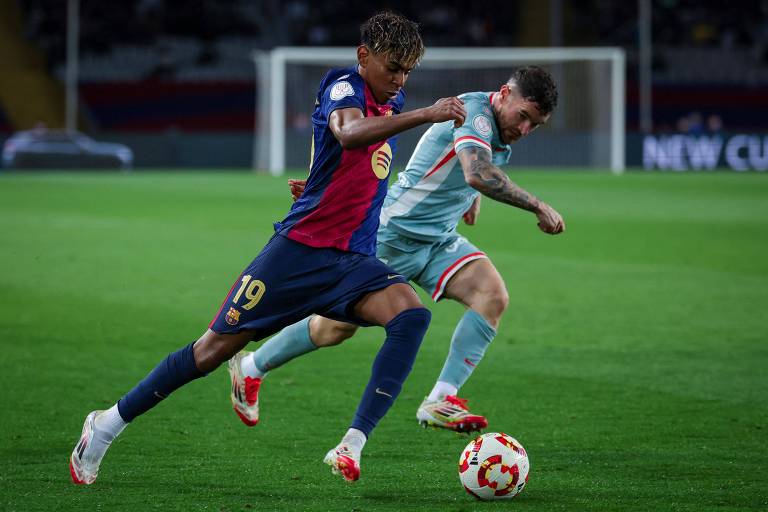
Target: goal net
<point>586,129</point>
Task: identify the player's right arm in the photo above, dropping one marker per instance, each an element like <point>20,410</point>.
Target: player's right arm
<point>353,130</point>
<point>491,181</point>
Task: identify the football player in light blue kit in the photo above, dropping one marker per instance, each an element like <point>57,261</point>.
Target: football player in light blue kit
<point>449,171</point>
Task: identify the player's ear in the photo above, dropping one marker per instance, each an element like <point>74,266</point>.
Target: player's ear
<point>363,54</point>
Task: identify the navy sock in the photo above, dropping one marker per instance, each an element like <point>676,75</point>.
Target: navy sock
<point>173,372</point>
<point>392,365</point>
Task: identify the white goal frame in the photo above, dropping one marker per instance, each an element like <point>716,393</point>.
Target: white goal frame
<point>279,57</point>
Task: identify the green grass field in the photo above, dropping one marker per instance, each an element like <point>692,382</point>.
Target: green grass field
<point>631,362</point>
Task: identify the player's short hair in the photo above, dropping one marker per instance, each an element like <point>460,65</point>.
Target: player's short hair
<point>536,84</point>
<point>395,35</point>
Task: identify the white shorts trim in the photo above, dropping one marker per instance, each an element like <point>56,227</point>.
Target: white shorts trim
<point>450,271</point>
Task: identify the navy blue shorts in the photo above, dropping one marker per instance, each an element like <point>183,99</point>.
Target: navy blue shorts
<point>289,281</point>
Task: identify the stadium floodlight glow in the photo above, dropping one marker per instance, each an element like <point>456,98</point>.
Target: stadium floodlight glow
<point>590,120</point>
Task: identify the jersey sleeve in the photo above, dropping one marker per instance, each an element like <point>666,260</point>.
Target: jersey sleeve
<point>344,93</point>
<point>477,129</point>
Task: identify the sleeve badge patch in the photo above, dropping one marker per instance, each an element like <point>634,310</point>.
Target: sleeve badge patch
<point>341,90</point>
<point>482,125</point>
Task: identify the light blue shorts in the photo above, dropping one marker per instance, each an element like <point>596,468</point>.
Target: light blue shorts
<point>428,264</point>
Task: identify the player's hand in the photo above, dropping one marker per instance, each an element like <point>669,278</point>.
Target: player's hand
<point>446,109</point>
<point>549,220</point>
<point>297,188</point>
<point>470,216</point>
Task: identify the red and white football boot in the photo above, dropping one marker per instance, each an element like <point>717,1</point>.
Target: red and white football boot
<point>449,413</point>
<point>245,391</point>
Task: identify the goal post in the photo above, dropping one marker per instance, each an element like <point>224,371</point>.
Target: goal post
<point>587,128</point>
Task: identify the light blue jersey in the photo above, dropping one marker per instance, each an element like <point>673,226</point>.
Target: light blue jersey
<point>431,194</point>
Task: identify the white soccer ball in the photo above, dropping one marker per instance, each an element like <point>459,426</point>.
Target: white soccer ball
<point>494,467</point>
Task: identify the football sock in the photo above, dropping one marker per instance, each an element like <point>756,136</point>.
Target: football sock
<point>249,368</point>
<point>289,343</point>
<point>173,372</point>
<point>110,422</point>
<point>392,365</point>
<point>471,338</point>
<point>108,425</point>
<point>441,390</point>
<point>355,440</point>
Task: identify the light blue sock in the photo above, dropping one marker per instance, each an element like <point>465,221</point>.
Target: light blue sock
<point>289,343</point>
<point>471,338</point>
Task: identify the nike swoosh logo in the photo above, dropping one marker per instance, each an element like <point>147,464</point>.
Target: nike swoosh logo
<point>392,276</point>
<point>470,363</point>
<point>158,395</point>
<point>383,393</point>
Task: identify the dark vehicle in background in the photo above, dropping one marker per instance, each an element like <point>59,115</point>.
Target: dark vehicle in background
<point>41,148</point>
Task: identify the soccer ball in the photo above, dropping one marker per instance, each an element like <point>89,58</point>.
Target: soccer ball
<point>494,467</point>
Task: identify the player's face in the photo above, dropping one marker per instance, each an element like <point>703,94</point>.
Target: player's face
<point>383,74</point>
<point>517,117</point>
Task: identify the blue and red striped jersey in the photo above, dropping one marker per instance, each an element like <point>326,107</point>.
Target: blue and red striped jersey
<point>346,187</point>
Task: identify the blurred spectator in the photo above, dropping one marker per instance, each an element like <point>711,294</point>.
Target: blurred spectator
<point>695,124</point>
<point>714,124</point>
<point>707,22</point>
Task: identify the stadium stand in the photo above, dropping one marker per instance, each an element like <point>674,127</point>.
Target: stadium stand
<point>188,68</point>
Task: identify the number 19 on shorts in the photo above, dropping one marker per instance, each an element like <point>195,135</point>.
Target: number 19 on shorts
<point>253,290</point>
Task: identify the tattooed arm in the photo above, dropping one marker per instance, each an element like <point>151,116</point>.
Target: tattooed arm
<point>491,181</point>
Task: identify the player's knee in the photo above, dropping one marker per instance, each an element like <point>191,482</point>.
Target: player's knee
<point>327,333</point>
<point>334,336</point>
<point>495,302</point>
<point>501,299</point>
<point>405,333</point>
<point>425,316</point>
<point>208,354</point>
<point>342,332</point>
<point>213,349</point>
<point>415,320</point>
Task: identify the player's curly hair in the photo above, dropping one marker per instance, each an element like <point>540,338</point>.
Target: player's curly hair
<point>395,35</point>
<point>536,84</point>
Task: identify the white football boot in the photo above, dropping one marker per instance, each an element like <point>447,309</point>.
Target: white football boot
<point>83,463</point>
<point>245,391</point>
<point>344,461</point>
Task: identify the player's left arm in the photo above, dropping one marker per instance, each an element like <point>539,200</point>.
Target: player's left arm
<point>491,181</point>
<point>470,216</point>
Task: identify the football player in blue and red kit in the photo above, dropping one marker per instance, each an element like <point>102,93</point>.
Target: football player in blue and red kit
<point>321,258</point>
